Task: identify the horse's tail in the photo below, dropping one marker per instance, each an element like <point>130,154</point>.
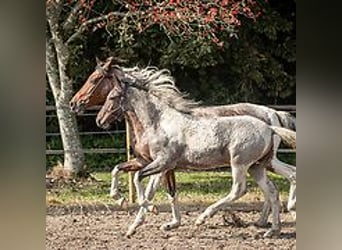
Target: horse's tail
<point>287,120</point>
<point>287,135</point>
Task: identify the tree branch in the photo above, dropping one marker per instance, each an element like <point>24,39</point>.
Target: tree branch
<point>72,16</point>
<point>91,21</point>
<point>62,53</point>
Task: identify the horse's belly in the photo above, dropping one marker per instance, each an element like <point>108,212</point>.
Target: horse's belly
<point>209,158</point>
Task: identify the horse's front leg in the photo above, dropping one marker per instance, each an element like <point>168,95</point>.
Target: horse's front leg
<point>170,183</point>
<point>151,189</point>
<point>140,218</point>
<point>158,164</point>
<point>171,188</point>
<point>131,165</point>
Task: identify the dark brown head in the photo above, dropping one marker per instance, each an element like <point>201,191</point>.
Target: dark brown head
<point>95,90</point>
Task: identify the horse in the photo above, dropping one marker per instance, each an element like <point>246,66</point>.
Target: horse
<point>178,139</point>
<point>102,80</point>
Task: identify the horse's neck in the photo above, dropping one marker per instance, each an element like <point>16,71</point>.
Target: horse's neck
<point>142,108</point>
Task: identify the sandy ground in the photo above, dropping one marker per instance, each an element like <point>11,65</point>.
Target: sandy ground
<point>104,227</point>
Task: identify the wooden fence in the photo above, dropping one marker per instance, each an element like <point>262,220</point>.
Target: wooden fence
<point>91,113</point>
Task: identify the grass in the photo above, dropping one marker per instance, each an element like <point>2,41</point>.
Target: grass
<point>192,186</point>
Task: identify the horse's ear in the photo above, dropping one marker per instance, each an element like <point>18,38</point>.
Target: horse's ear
<point>108,63</point>
<point>110,59</point>
<point>98,61</point>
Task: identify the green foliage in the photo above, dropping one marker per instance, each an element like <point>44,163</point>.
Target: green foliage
<point>257,66</point>
<point>195,53</point>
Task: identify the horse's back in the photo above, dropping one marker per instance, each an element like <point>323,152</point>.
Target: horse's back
<point>261,112</point>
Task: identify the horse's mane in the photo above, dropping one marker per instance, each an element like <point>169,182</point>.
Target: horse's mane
<point>160,83</point>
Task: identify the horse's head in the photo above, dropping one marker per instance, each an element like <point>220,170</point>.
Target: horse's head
<point>113,108</point>
<point>95,90</point>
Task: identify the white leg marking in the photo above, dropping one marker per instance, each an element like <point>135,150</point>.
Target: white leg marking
<point>114,190</point>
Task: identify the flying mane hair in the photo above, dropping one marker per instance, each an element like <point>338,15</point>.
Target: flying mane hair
<point>161,84</point>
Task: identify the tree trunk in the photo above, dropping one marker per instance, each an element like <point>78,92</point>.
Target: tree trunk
<point>57,56</point>
<point>73,155</point>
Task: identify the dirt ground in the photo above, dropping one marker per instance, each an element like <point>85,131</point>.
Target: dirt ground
<point>104,227</point>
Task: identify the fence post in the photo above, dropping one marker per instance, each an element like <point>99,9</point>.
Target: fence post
<point>130,174</point>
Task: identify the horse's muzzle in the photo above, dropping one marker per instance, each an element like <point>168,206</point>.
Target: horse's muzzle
<point>77,107</point>
<point>102,124</point>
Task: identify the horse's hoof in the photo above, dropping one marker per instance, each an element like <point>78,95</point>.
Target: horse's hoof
<point>115,195</point>
<point>272,233</point>
<point>169,226</point>
<point>130,233</point>
<point>122,202</point>
<point>291,207</point>
<point>293,214</point>
<point>166,227</point>
<point>153,209</point>
<point>261,224</point>
<point>199,221</point>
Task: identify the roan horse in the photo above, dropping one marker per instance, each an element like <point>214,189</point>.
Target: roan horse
<point>176,138</point>
<point>106,75</point>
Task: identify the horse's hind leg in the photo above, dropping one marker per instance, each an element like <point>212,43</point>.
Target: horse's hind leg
<point>290,174</point>
<point>291,204</point>
<point>286,170</point>
<point>238,190</point>
<point>265,212</point>
<point>258,172</point>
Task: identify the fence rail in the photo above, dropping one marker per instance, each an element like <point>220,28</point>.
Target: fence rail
<point>289,108</point>
<point>49,108</point>
<point>88,151</point>
<point>92,133</point>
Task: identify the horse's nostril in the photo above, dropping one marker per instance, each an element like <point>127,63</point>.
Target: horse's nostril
<point>72,106</point>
